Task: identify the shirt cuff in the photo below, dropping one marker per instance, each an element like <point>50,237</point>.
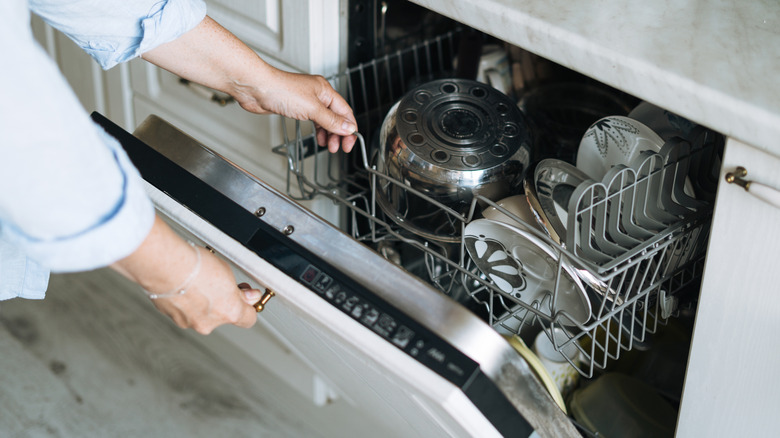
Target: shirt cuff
<point>21,276</point>
<point>173,20</point>
<point>114,237</point>
<point>115,31</point>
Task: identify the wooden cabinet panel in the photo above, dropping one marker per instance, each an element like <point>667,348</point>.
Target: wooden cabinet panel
<point>731,386</point>
<point>302,34</point>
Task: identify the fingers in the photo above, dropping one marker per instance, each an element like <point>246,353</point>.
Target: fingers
<point>248,316</point>
<point>322,136</point>
<point>334,141</point>
<point>334,113</point>
<point>249,295</point>
<point>335,120</point>
<point>212,300</point>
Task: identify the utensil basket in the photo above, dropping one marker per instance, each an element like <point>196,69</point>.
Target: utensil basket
<point>644,286</point>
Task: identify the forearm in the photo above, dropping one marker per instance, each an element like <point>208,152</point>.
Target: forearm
<point>165,264</point>
<point>161,262</point>
<point>212,56</point>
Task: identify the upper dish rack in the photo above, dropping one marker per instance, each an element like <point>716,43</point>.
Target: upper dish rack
<point>632,292</point>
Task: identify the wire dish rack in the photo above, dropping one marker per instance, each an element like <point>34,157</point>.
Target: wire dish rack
<point>632,289</point>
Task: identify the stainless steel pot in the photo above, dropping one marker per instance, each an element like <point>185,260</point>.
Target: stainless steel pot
<point>449,140</point>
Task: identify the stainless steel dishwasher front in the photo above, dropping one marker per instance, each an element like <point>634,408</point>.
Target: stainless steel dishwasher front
<point>389,341</point>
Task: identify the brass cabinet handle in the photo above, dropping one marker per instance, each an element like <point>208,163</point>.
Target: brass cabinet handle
<point>763,192</point>
<point>260,305</point>
<point>220,99</point>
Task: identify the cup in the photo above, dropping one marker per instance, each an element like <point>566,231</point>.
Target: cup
<point>494,68</point>
<point>563,373</point>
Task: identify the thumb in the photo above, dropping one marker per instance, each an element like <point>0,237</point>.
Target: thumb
<point>250,296</point>
<point>333,122</point>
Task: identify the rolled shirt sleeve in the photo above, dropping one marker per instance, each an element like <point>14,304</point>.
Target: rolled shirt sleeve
<point>114,31</point>
<point>70,199</point>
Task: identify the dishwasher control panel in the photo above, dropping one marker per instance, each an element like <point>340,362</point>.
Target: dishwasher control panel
<point>365,307</point>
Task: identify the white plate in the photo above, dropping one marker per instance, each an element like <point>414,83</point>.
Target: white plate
<point>524,266</point>
<point>614,140</point>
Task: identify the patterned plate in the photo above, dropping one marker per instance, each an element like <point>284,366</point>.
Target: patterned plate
<point>524,266</point>
<point>614,140</point>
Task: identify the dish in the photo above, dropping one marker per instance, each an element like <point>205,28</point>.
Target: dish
<point>516,205</point>
<point>549,192</point>
<point>556,362</point>
<point>664,123</point>
<point>536,366</point>
<point>524,266</point>
<point>614,140</point>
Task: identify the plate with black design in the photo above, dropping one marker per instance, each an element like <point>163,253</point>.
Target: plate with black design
<point>614,140</point>
<point>525,267</point>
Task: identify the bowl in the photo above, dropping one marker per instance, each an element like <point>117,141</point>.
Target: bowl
<point>664,123</point>
<point>443,144</point>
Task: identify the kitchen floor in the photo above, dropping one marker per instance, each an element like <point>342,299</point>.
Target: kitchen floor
<point>95,359</point>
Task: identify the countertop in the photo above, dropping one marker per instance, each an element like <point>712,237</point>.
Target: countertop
<point>715,62</point>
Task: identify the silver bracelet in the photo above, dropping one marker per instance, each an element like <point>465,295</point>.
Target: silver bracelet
<point>182,289</point>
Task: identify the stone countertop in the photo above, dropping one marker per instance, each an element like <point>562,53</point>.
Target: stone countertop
<point>715,62</point>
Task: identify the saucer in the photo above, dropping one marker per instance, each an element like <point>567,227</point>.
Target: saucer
<point>525,267</point>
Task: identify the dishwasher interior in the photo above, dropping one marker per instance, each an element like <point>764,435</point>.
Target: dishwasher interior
<point>613,292</point>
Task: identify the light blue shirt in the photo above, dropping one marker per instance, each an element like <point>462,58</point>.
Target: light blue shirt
<point>70,199</point>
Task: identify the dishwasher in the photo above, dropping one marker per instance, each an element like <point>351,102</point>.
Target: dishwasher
<point>405,315</point>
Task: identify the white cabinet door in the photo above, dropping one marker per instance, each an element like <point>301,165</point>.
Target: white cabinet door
<point>732,384</point>
<point>304,34</point>
<point>97,90</point>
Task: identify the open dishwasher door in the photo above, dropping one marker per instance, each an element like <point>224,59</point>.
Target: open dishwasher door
<point>396,348</point>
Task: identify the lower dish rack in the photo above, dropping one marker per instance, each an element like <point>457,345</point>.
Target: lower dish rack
<point>631,292</point>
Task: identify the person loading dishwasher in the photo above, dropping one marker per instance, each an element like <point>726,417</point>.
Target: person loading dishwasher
<point>71,200</point>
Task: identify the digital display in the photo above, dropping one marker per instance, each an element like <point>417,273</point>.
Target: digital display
<point>382,322</point>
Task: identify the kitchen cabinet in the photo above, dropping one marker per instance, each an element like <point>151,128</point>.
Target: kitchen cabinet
<point>731,384</point>
<point>714,63</point>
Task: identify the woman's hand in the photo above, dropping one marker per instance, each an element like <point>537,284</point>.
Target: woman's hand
<point>212,56</point>
<point>164,262</point>
<point>212,299</point>
<point>303,97</point>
